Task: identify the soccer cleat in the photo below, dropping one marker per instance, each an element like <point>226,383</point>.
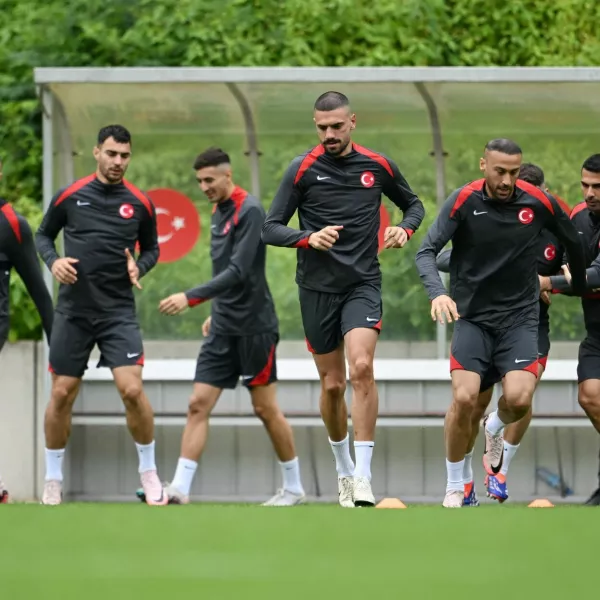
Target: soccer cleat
<point>494,451</point>
<point>496,487</point>
<point>52,493</point>
<point>594,499</point>
<point>346,492</point>
<point>470,495</point>
<point>363,495</point>
<point>454,499</point>
<point>285,498</point>
<point>173,494</point>
<point>3,493</point>
<point>153,490</point>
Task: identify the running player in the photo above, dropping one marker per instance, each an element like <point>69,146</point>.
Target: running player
<point>550,253</point>
<point>241,334</point>
<point>336,189</point>
<point>494,224</point>
<point>586,218</point>
<point>103,217</point>
<point>17,251</point>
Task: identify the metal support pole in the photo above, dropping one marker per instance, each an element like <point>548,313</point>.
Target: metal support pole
<point>440,187</point>
<point>251,137</point>
<point>48,191</point>
<point>65,153</point>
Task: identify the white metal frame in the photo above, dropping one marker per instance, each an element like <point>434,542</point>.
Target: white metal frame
<point>54,117</point>
<point>303,370</point>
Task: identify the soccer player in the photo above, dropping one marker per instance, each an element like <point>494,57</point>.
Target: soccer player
<point>241,334</point>
<point>18,250</point>
<point>336,189</point>
<point>550,253</point>
<point>103,217</point>
<point>494,224</point>
<point>586,218</point>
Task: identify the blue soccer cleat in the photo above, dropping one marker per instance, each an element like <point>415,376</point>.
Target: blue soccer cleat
<point>470,498</point>
<point>496,487</point>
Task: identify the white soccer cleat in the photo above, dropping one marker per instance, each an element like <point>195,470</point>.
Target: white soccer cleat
<point>153,489</point>
<point>453,499</point>
<point>363,495</point>
<point>346,492</point>
<point>285,498</point>
<point>52,493</point>
<point>494,451</point>
<point>174,496</point>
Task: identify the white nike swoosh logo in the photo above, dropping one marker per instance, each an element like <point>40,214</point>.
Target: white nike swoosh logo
<point>80,203</point>
<point>480,213</point>
<point>370,319</point>
<point>519,360</point>
<point>319,178</point>
<point>130,355</point>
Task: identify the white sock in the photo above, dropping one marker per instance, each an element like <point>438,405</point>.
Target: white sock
<point>363,452</point>
<point>494,425</point>
<point>455,475</point>
<point>291,476</point>
<point>468,468</point>
<point>184,475</point>
<point>54,464</point>
<point>146,456</point>
<point>343,461</point>
<point>509,452</point>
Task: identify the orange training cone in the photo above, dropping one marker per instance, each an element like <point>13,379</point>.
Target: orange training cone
<point>391,503</point>
<point>541,503</point>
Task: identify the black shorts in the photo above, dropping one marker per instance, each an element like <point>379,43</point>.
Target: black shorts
<point>328,317</point>
<point>495,353</point>
<point>73,338</point>
<point>223,359</point>
<point>492,377</point>
<point>588,365</point>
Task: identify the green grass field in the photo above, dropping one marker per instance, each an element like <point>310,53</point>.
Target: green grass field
<point>89,551</point>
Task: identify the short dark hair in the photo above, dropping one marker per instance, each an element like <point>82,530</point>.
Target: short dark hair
<point>592,163</point>
<point>532,174</point>
<point>503,145</point>
<point>117,132</point>
<point>213,157</point>
<point>331,101</point>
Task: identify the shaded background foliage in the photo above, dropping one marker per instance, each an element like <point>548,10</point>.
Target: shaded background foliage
<point>294,33</point>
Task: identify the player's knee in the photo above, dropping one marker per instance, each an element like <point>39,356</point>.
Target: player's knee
<point>131,393</point>
<point>519,401</point>
<point>465,399</point>
<point>333,386</point>
<point>266,411</point>
<point>198,407</point>
<point>361,372</point>
<point>589,395</point>
<point>63,395</point>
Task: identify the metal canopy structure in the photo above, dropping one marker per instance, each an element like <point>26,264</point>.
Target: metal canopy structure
<point>268,99</point>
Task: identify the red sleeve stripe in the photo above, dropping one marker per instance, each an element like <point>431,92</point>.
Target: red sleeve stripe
<point>139,195</point>
<point>308,161</point>
<point>195,301</point>
<point>464,194</point>
<point>238,196</point>
<point>13,220</point>
<point>303,243</point>
<point>577,209</point>
<point>534,191</point>
<point>74,187</point>
<point>374,156</point>
<point>409,232</point>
